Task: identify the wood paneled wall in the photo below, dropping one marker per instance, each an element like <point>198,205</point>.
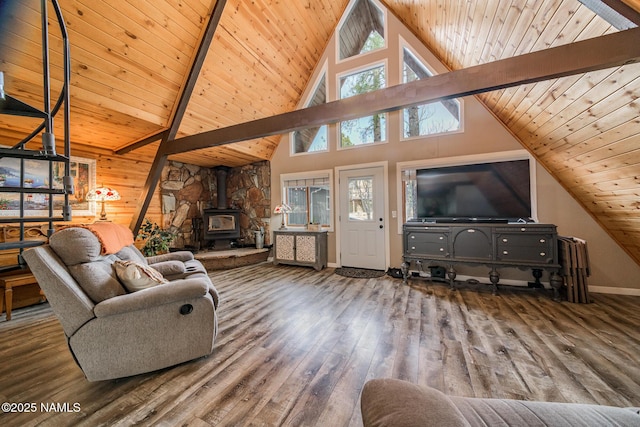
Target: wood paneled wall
<point>126,173</point>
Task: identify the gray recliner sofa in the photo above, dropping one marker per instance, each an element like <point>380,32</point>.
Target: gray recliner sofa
<point>113,332</point>
<point>390,402</point>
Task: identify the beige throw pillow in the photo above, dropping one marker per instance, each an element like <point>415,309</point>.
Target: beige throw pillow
<point>135,276</point>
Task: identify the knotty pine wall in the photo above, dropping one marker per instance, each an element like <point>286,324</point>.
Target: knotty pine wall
<point>126,173</point>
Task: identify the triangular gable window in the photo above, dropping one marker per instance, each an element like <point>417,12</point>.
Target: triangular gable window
<point>362,31</point>
<point>312,139</point>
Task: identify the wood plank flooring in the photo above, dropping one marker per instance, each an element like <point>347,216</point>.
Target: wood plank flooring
<point>296,346</point>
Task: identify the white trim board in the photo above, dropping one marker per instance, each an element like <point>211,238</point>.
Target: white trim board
<point>614,290</point>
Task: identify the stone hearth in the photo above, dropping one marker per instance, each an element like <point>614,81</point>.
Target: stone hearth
<point>231,258</point>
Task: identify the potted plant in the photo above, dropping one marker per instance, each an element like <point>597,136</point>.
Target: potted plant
<point>156,240</point>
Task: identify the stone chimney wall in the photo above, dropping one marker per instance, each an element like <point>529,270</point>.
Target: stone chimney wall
<point>189,189</point>
<point>249,189</point>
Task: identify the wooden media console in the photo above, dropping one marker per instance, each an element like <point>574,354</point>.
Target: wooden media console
<point>520,245</point>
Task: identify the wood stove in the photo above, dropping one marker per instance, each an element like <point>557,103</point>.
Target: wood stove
<point>221,224</point>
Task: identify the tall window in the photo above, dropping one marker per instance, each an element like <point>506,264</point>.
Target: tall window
<point>309,198</point>
<point>426,119</point>
<point>312,139</point>
<point>365,130</point>
<point>362,31</point>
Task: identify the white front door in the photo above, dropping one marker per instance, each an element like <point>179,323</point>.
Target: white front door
<point>362,222</point>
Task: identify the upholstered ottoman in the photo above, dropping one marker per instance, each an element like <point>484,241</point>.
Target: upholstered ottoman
<point>395,403</point>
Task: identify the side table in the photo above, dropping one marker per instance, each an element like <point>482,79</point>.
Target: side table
<point>13,281</point>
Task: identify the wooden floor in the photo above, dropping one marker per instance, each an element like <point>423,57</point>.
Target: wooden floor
<point>296,346</point>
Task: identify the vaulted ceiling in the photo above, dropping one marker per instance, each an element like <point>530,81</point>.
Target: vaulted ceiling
<point>131,60</point>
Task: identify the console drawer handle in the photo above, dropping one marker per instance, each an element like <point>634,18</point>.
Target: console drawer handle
<point>505,252</point>
<point>542,254</point>
<point>505,240</point>
<point>542,240</point>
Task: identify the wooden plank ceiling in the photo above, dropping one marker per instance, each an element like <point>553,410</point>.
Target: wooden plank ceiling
<point>131,58</point>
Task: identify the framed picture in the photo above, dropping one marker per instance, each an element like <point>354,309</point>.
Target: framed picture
<point>37,174</point>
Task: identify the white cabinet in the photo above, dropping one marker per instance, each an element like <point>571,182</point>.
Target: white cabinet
<point>300,248</point>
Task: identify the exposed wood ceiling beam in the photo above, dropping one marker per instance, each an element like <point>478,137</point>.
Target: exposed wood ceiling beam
<point>141,143</point>
<point>161,158</point>
<point>576,58</point>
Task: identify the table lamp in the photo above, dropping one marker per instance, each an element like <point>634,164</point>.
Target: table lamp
<point>282,208</point>
<point>102,194</point>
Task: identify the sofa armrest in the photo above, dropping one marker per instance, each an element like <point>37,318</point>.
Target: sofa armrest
<point>387,402</point>
<point>172,256</point>
<point>169,268</point>
<point>176,291</point>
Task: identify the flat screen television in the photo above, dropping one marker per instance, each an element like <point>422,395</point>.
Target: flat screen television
<point>487,192</point>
